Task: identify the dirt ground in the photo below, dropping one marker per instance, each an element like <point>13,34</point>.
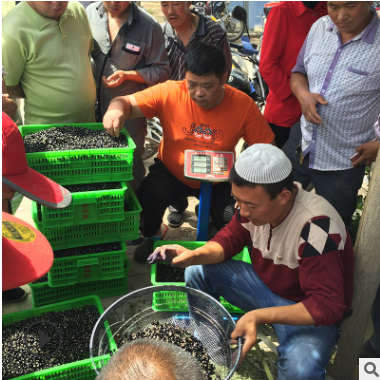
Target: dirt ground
<point>153,8</point>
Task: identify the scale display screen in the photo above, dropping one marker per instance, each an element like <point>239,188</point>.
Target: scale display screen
<point>201,164</point>
<point>199,169</point>
<point>208,165</point>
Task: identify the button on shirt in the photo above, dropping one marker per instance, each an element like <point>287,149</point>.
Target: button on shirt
<point>139,45</point>
<point>348,77</point>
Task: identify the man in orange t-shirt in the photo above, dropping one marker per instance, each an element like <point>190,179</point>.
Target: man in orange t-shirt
<point>200,113</point>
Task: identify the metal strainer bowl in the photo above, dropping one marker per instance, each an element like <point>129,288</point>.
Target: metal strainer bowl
<point>189,309</point>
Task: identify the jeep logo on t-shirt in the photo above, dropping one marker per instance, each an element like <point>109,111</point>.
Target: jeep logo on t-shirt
<point>203,131</point>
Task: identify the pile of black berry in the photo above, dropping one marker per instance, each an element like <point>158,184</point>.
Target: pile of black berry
<point>180,337</point>
<point>22,352</point>
<point>169,273</point>
<point>72,138</point>
<point>93,187</point>
<point>87,250</point>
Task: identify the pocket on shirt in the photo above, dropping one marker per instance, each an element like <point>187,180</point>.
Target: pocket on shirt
<point>353,81</point>
<point>372,83</point>
<point>132,55</point>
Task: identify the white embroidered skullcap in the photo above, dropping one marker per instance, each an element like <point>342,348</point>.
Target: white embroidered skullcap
<point>263,164</point>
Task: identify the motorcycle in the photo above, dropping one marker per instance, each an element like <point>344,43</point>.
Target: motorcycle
<point>245,61</point>
<point>218,10</point>
<point>152,138</point>
<point>245,74</point>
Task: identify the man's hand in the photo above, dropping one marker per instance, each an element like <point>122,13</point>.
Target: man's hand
<point>247,325</point>
<point>115,79</point>
<point>120,76</point>
<point>115,116</point>
<point>308,102</point>
<point>113,122</point>
<point>246,328</point>
<point>9,106</point>
<point>165,253</point>
<point>172,254</point>
<point>120,109</point>
<point>367,153</point>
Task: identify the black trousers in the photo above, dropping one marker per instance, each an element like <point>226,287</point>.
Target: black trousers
<point>160,188</point>
<point>281,134</point>
<point>339,187</point>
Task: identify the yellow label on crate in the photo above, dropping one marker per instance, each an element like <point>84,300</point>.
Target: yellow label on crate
<point>17,232</point>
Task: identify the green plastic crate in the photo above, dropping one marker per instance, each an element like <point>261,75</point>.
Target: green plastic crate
<point>43,294</point>
<point>73,167</point>
<point>83,369</point>
<point>179,299</point>
<point>96,233</point>
<point>86,207</point>
<point>161,300</point>
<point>85,268</point>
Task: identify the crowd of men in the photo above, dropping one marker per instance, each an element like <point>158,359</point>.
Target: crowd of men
<point>320,60</point>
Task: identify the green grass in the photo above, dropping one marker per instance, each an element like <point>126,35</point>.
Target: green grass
<point>252,367</point>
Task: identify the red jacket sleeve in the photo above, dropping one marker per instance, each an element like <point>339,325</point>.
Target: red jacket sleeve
<point>273,46</point>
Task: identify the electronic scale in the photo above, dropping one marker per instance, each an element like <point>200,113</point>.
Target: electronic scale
<point>207,166</point>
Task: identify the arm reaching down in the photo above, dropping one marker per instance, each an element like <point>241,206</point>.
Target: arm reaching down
<point>247,325</point>
<point>120,108</point>
<point>308,100</point>
<point>210,253</point>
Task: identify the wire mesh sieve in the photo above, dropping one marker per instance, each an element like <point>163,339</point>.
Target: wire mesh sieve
<point>206,319</point>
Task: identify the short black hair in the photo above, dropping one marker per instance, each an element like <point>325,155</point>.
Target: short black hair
<point>205,59</point>
<point>273,189</point>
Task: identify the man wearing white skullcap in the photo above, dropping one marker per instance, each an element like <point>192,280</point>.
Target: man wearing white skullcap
<point>301,276</point>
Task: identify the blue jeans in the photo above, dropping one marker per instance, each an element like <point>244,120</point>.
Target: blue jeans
<point>339,187</point>
<point>304,351</point>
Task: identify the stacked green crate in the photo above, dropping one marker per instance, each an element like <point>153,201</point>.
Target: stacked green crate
<point>43,294</point>
<point>93,219</point>
<point>72,167</point>
<point>81,224</point>
<point>180,301</point>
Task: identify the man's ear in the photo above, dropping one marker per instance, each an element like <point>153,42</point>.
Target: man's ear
<point>224,78</point>
<point>284,196</point>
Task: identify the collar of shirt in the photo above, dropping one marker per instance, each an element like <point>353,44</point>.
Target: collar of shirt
<point>368,34</point>
<point>133,14</point>
<point>41,22</point>
<point>200,31</point>
<point>300,8</point>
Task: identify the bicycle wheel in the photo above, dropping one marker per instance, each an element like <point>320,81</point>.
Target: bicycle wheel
<point>234,28</point>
